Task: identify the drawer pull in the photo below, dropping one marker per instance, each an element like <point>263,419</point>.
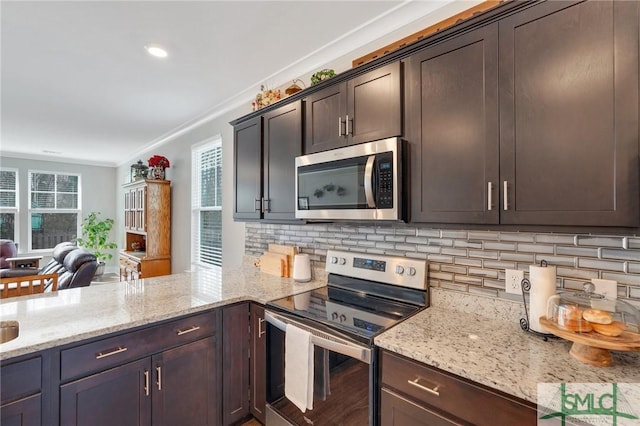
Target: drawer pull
<point>188,330</point>
<point>113,352</point>
<point>433,391</point>
<point>146,382</point>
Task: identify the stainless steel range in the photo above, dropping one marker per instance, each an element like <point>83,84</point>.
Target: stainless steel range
<point>365,295</point>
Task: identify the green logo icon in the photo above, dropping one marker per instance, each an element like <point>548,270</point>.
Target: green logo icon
<point>595,403</point>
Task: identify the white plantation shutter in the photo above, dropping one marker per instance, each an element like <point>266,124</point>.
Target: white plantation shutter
<point>8,204</point>
<point>206,196</point>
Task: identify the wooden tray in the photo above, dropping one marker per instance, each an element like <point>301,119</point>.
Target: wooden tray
<point>594,348</point>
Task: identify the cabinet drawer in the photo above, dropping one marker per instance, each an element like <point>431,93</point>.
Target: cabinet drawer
<point>113,351</point>
<point>467,401</point>
<point>126,263</point>
<point>20,379</point>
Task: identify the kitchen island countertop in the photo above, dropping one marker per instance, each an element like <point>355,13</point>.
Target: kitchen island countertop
<point>67,316</point>
<point>498,354</point>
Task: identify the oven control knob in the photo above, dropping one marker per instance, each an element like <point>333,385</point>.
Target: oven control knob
<point>334,316</point>
<point>399,270</point>
<point>342,261</point>
<point>411,271</point>
<point>333,260</point>
<point>343,318</point>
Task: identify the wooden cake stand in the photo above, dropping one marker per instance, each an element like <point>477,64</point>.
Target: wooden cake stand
<point>594,348</point>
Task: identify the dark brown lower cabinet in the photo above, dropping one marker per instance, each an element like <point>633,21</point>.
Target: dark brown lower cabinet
<point>397,410</point>
<point>20,393</point>
<point>177,386</point>
<point>185,387</point>
<point>416,394</point>
<point>258,370</point>
<point>23,412</point>
<point>235,360</point>
<point>118,396</point>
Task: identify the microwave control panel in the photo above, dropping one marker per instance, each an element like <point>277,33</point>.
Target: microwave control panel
<point>384,173</point>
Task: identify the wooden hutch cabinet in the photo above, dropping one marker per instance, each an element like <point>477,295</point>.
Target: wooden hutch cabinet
<point>147,227</point>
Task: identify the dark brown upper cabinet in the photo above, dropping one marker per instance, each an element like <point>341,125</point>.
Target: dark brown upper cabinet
<point>365,108</point>
<point>451,119</point>
<point>247,169</point>
<point>569,114</point>
<point>264,170</point>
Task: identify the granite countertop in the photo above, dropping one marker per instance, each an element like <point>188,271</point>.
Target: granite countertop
<point>53,319</point>
<point>497,353</point>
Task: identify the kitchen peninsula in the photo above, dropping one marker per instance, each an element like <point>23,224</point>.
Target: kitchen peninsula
<point>493,353</point>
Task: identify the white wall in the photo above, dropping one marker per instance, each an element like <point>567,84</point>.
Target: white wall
<point>98,193</point>
<point>178,151</point>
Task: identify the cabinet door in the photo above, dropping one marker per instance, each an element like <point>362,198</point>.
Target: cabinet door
<point>569,114</point>
<point>258,370</point>
<point>185,385</point>
<point>452,129</point>
<point>396,410</point>
<point>324,125</point>
<point>235,361</point>
<point>282,144</point>
<point>120,396</point>
<point>23,412</point>
<point>247,155</point>
<point>374,105</point>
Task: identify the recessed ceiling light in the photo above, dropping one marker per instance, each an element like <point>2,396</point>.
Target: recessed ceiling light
<point>157,51</point>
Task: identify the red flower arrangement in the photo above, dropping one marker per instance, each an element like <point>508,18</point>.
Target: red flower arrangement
<point>159,161</point>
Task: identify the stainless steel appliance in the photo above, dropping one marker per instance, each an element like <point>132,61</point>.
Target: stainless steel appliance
<point>365,295</point>
<point>362,181</point>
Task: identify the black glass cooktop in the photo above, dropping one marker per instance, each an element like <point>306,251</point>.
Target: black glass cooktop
<point>348,309</point>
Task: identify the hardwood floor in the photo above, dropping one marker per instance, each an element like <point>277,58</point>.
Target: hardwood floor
<point>252,422</point>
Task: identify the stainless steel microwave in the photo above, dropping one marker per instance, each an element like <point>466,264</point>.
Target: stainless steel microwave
<point>357,182</point>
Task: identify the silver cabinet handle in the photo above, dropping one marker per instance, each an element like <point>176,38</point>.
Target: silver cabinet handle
<point>257,205</point>
<point>339,126</point>
<point>146,382</point>
<point>120,349</point>
<point>265,205</point>
<point>505,195</point>
<point>188,330</point>
<point>159,373</point>
<point>348,131</point>
<point>368,188</point>
<point>260,330</point>
<point>415,383</point>
<point>489,196</point>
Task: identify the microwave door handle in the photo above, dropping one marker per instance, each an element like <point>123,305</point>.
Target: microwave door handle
<point>368,181</point>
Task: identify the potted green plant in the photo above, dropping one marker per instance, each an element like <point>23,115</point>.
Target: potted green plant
<point>95,238</point>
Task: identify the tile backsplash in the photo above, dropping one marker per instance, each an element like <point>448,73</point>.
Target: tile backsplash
<point>470,261</point>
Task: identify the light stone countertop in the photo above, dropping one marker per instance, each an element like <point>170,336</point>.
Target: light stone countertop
<point>53,319</point>
<point>497,353</point>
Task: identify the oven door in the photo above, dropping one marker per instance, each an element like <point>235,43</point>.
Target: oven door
<point>356,182</point>
<point>343,378</point>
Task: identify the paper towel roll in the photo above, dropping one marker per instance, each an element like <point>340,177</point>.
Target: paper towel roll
<point>543,286</point>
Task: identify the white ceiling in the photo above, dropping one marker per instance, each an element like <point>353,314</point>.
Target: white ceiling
<point>78,86</point>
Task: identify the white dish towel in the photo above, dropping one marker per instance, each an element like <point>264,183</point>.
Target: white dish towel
<point>298,367</point>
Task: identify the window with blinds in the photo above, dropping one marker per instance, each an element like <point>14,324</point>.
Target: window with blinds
<point>8,204</point>
<point>206,196</point>
<point>54,208</point>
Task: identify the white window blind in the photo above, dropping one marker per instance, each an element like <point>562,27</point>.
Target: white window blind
<point>54,208</point>
<point>206,196</point>
<point>8,204</point>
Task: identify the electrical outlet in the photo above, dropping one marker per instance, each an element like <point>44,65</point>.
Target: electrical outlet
<point>513,281</point>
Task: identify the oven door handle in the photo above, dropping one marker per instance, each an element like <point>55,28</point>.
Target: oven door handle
<point>322,339</point>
